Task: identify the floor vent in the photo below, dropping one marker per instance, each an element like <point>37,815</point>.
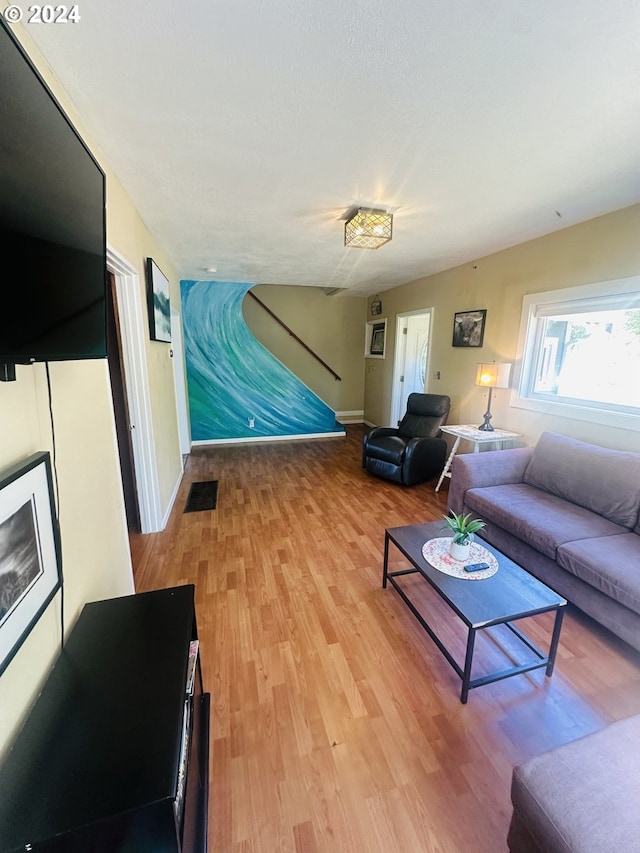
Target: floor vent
<point>202,496</point>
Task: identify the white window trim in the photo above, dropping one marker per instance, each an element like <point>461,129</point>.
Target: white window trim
<point>525,363</point>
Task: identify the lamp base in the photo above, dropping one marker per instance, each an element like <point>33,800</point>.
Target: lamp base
<point>485,426</point>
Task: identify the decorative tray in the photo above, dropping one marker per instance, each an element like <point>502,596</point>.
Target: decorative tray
<point>436,553</point>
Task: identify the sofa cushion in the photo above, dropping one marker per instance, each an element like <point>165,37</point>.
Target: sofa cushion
<point>582,796</point>
<point>538,518</point>
<point>610,564</point>
<point>602,480</point>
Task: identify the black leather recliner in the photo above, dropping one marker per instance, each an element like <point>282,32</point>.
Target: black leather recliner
<point>415,451</point>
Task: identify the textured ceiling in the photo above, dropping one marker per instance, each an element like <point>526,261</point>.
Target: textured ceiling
<point>243,131</point>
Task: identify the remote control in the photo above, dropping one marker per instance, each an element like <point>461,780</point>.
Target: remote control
<point>476,567</point>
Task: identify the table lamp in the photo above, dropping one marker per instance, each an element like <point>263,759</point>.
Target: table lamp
<point>492,376</point>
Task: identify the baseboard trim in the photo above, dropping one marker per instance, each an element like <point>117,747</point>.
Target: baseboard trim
<point>353,417</point>
<point>172,500</point>
<point>264,439</point>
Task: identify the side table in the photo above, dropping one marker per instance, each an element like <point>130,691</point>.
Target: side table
<point>471,433</point>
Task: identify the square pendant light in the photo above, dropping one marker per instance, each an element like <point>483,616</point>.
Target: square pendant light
<point>368,229</point>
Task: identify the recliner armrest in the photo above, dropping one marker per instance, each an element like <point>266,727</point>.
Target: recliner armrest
<point>422,458</point>
<point>421,447</point>
<point>376,431</point>
<point>380,431</point>
<point>491,468</point>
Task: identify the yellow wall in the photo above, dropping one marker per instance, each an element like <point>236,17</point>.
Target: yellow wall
<point>333,326</point>
<point>601,249</point>
<point>95,548</point>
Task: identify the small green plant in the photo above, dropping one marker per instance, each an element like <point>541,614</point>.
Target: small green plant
<point>462,526</point>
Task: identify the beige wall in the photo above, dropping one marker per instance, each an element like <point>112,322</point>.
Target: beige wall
<point>601,249</point>
<point>127,233</point>
<point>333,326</point>
<point>95,548</point>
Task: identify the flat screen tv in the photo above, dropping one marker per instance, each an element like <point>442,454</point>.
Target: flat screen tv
<point>52,224</point>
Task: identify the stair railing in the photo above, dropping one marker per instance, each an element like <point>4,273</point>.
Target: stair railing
<point>293,335</point>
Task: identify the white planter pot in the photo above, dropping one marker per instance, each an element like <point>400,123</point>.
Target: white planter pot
<point>460,552</point>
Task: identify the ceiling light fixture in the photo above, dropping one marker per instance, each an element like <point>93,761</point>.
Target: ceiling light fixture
<point>368,229</point>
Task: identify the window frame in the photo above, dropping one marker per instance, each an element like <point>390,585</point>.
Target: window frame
<point>530,340</point>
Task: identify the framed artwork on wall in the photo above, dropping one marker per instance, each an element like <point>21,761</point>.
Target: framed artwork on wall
<point>468,328</point>
<point>377,339</point>
<point>30,567</point>
<point>158,301</point>
<point>377,332</point>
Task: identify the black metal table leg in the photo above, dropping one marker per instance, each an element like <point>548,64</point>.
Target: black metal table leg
<point>385,565</point>
<point>468,660</point>
<point>553,648</point>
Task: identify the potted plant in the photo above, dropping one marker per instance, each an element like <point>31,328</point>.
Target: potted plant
<point>463,527</point>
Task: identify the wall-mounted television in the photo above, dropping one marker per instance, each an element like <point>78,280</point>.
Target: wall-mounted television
<point>52,224</point>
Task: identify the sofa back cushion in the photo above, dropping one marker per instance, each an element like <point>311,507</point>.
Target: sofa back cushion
<point>602,480</point>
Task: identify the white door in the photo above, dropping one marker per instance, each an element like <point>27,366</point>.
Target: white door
<point>411,359</point>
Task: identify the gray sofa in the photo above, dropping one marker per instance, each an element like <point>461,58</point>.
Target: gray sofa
<point>567,512</point>
<point>582,797</point>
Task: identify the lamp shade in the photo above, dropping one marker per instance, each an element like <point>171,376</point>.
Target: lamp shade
<point>368,229</point>
<point>493,375</point>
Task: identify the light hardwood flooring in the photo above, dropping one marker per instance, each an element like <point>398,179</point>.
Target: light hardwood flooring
<point>336,724</point>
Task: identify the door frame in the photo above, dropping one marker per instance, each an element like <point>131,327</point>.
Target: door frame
<point>121,408</point>
<point>132,331</point>
<point>398,360</point>
<point>182,404</point>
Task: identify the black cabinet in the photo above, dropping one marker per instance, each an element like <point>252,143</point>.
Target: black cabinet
<point>97,765</point>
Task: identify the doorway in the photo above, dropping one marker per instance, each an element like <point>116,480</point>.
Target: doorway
<point>121,408</point>
<point>132,336</point>
<point>411,359</point>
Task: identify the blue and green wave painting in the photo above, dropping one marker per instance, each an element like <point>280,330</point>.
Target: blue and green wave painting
<point>232,378</point>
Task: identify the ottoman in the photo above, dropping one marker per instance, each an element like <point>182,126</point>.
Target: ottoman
<point>582,797</point>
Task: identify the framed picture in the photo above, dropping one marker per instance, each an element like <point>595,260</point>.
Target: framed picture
<point>159,306</point>
<point>30,573</point>
<point>377,339</point>
<point>468,328</point>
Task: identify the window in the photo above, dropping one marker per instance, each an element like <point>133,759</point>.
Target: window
<point>580,351</point>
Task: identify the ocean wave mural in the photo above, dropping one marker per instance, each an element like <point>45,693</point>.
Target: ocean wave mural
<point>237,388</point>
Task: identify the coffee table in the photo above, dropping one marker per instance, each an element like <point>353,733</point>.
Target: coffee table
<point>509,595</point>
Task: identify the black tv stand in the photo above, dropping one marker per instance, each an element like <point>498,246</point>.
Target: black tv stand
<point>97,765</point>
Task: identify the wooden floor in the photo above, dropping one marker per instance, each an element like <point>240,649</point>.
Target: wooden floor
<point>336,724</point>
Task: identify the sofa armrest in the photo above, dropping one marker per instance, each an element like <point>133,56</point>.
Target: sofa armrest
<point>491,468</point>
